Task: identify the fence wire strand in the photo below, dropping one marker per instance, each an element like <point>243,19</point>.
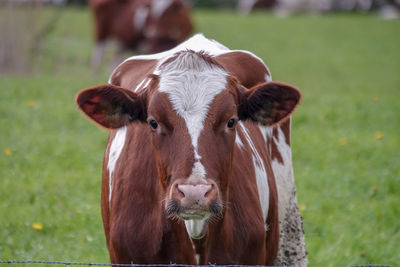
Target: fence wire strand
<point>132,264</point>
<point>149,265</point>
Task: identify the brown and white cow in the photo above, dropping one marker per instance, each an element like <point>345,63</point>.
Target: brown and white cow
<point>198,166</point>
<point>144,26</point>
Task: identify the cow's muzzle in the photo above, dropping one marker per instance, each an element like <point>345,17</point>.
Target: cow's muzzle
<point>194,199</point>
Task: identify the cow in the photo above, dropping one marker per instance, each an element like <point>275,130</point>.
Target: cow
<point>386,9</point>
<point>143,26</point>
<point>197,167</point>
<point>244,7</point>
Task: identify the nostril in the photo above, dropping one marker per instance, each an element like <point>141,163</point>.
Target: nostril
<point>179,191</point>
<point>209,190</point>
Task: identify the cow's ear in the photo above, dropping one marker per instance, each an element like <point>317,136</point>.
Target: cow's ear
<point>112,106</point>
<point>268,103</point>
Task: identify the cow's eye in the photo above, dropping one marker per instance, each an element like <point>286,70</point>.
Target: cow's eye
<point>231,123</point>
<point>153,124</point>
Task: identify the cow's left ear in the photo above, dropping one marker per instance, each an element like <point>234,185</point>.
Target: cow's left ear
<point>268,103</point>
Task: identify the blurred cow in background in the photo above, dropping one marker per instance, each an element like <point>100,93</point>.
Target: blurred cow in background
<point>244,7</point>
<point>144,26</point>
<point>387,9</point>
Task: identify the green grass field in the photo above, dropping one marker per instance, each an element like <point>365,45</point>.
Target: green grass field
<point>346,136</point>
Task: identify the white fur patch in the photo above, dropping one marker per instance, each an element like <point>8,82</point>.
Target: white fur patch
<point>140,18</point>
<point>139,85</point>
<point>283,171</point>
<point>267,132</point>
<point>195,228</point>
<point>158,7</point>
<point>142,84</point>
<point>116,147</point>
<point>268,78</point>
<point>238,141</point>
<point>198,171</point>
<point>261,174</point>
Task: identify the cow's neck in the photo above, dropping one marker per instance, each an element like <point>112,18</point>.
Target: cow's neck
<point>216,234</point>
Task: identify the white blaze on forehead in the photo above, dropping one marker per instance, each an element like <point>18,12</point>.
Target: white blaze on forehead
<point>191,84</point>
<point>198,170</point>
<point>158,7</point>
<point>261,174</point>
<point>115,150</point>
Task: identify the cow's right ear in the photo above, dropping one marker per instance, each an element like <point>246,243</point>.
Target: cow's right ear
<point>112,106</point>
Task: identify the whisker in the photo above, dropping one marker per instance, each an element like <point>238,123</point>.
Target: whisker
<point>162,201</point>
<point>172,207</point>
<point>226,204</point>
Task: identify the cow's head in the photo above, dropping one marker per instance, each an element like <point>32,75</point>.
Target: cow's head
<point>192,107</point>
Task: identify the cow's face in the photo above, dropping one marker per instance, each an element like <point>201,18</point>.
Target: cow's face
<point>192,115</point>
<point>192,107</point>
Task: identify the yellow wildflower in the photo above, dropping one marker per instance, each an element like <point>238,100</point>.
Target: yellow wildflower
<point>302,207</point>
<point>379,135</point>
<point>374,187</point>
<point>37,226</point>
<point>30,103</point>
<point>342,142</point>
<point>7,152</point>
<point>376,98</point>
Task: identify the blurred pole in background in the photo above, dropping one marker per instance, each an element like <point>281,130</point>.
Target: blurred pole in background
<point>23,28</point>
<point>18,24</point>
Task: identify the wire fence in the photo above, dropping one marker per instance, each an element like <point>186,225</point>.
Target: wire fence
<point>148,265</point>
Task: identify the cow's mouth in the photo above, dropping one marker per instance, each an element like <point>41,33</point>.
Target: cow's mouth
<point>194,215</point>
<point>196,212</point>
